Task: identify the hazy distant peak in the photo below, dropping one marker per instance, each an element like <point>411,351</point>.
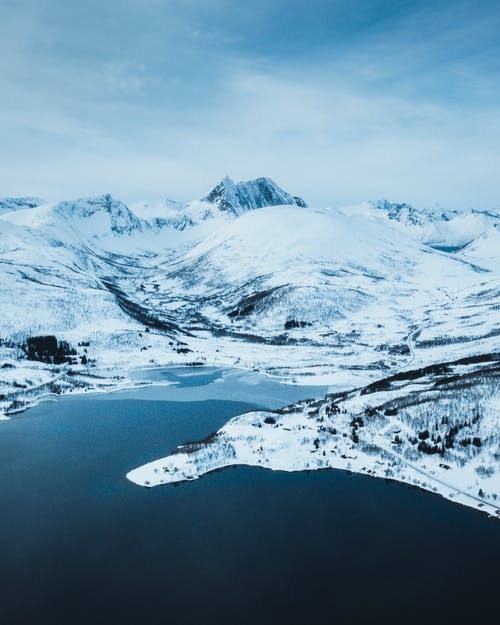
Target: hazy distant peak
<point>8,204</point>
<point>408,214</point>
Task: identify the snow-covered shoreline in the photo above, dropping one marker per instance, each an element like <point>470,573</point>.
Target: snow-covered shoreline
<point>133,380</point>
<point>363,431</point>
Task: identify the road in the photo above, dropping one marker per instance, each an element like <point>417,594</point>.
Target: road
<point>431,478</point>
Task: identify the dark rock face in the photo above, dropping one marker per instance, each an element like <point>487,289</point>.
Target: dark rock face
<point>240,197</point>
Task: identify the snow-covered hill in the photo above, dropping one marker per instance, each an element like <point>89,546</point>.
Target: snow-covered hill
<point>448,230</point>
<point>485,248</point>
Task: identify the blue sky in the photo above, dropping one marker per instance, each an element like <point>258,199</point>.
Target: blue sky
<point>338,101</point>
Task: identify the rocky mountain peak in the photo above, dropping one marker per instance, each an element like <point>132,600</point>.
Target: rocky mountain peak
<point>243,196</point>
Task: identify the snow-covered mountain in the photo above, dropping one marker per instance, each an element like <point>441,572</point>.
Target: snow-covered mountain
<point>89,218</point>
<point>237,198</point>
<point>60,264</point>
<point>354,283</point>
<point>225,201</point>
<point>450,230</point>
<point>248,276</point>
<point>409,215</point>
<point>8,204</point>
<point>101,214</point>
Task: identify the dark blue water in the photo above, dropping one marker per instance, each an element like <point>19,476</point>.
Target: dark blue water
<point>450,249</point>
<point>80,544</point>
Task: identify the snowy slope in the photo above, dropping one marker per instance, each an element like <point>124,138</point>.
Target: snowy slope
<point>337,295</point>
<point>55,264</point>
<point>485,248</point>
<point>349,283</point>
<point>48,285</point>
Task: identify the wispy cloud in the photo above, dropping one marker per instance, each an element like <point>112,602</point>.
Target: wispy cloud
<point>339,101</point>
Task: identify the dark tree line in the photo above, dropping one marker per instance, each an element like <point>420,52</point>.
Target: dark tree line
<point>49,350</point>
